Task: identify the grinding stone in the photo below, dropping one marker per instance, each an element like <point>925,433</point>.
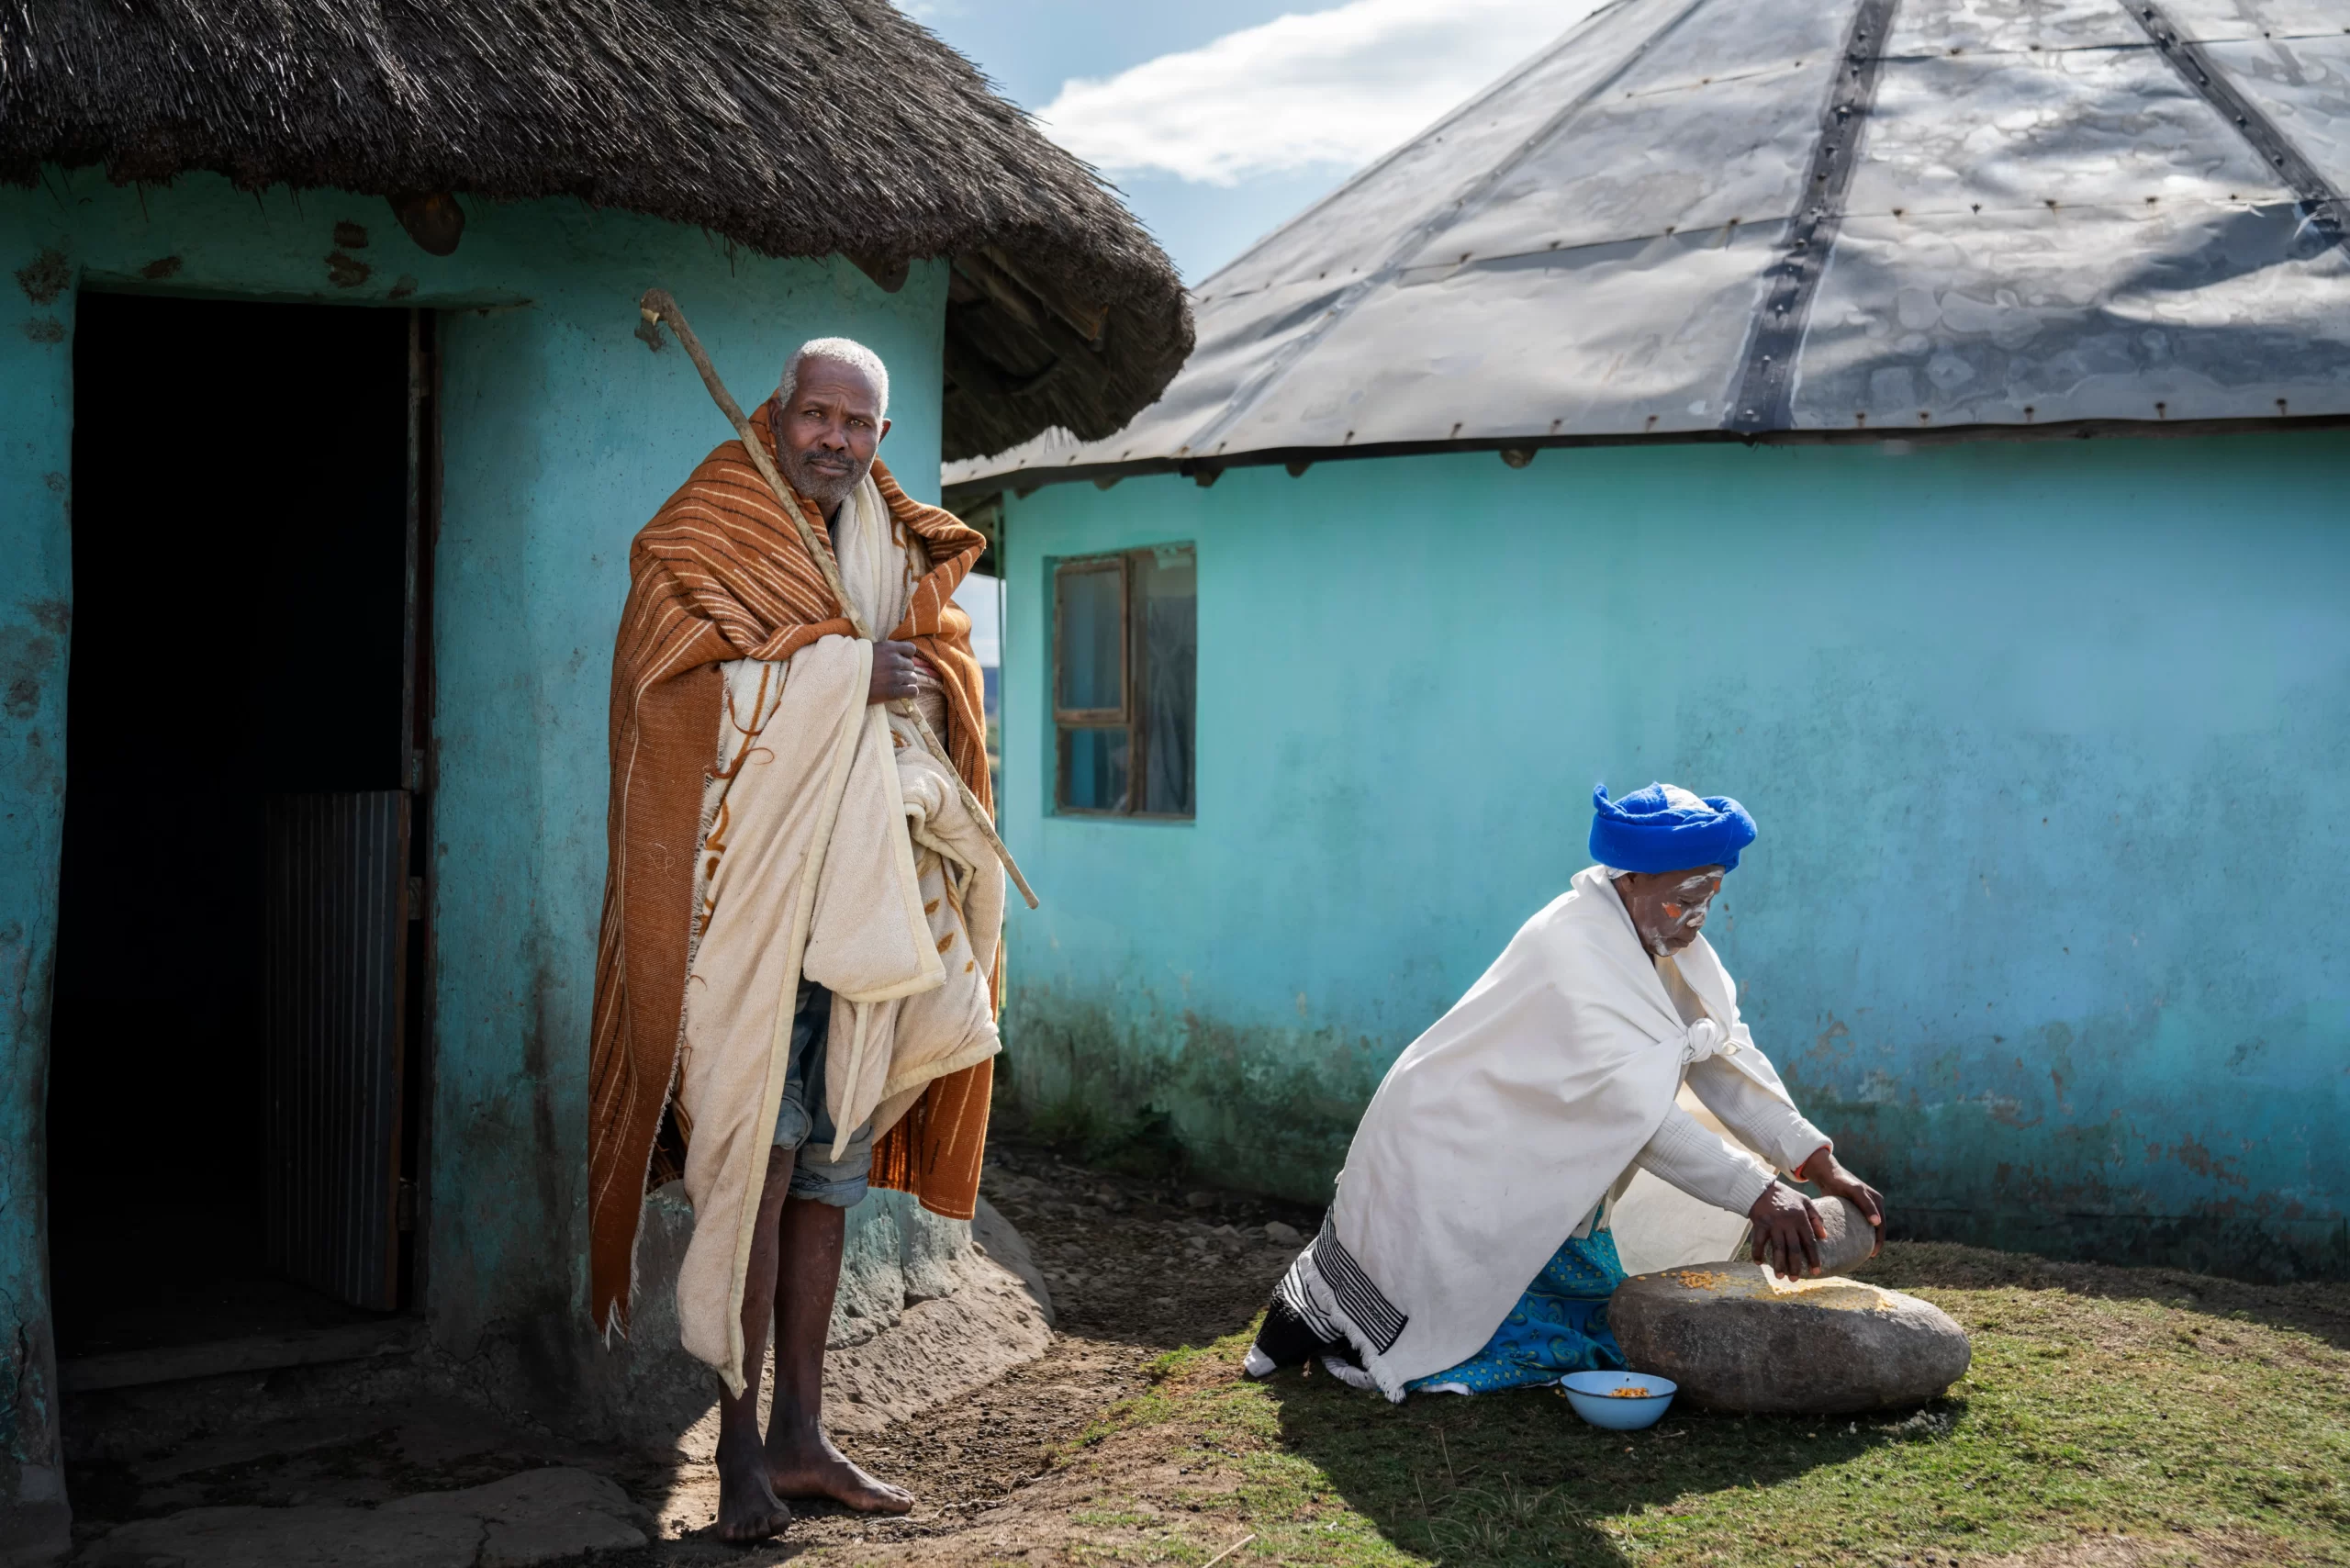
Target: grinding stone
<point>1735,1336</point>
<point>1850,1241</point>
<point>1851,1238</point>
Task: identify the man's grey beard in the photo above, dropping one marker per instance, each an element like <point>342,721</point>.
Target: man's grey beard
<point>827,491</point>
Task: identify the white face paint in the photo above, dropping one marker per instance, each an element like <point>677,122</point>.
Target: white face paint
<point>1685,905</point>
<point>1669,915</point>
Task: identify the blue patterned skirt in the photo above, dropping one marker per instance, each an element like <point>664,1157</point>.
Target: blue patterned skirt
<point>1559,1326</point>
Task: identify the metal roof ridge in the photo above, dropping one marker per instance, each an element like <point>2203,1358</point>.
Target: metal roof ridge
<point>2203,77</point>
<point>1510,79</point>
<point>1429,227</point>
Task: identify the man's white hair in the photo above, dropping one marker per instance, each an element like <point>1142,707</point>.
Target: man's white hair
<point>840,351</point>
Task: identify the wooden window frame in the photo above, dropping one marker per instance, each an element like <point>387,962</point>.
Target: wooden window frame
<point>1095,718</point>
<point>1126,716</point>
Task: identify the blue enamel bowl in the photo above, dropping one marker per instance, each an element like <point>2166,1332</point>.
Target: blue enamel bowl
<point>1595,1400</point>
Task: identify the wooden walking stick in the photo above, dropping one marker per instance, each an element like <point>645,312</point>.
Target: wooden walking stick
<point>658,308</point>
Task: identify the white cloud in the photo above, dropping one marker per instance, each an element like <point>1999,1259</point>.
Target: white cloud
<point>1333,87</point>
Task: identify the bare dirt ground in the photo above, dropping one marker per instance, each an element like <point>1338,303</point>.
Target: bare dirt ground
<point>1137,1269</point>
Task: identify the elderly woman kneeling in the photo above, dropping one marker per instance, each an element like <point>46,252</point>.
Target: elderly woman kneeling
<point>1470,1247</point>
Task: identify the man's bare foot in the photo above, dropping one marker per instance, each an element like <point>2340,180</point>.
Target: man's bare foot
<point>748,1509</point>
<point>816,1468</point>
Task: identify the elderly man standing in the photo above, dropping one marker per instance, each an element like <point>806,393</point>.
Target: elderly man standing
<point>795,978</point>
<point>1469,1247</point>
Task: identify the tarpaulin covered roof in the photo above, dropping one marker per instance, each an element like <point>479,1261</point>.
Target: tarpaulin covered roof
<point>1763,217</point>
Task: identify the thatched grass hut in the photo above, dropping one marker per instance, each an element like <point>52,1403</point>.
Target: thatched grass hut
<point>787,127</point>
<point>363,563</point>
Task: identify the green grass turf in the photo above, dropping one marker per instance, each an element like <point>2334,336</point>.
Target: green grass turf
<point>2200,1415</point>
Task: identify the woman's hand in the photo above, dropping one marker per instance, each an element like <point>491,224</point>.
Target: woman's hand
<point>1823,1173</point>
<point>1787,1230</point>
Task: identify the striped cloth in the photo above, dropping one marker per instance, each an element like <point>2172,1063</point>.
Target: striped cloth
<point>720,574</point>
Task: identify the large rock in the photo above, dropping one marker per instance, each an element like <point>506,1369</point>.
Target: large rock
<point>1735,1336</point>
<point>922,1315</point>
<point>994,1235</point>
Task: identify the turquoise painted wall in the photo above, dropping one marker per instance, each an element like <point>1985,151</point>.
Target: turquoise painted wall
<point>561,434</point>
<point>2046,742</point>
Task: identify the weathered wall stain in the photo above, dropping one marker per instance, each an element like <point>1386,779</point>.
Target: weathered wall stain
<point>29,1407</point>
<point>27,659</point>
<point>2004,713</point>
<point>2189,1151</point>
<point>45,276</point>
<point>32,1501</point>
<point>43,330</point>
<point>1279,1105</point>
<point>347,272</point>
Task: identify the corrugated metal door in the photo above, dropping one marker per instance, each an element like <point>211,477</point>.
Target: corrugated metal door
<point>335,957</point>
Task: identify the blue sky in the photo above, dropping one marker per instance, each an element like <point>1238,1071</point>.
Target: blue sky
<point>1029,48</point>
<point>1220,119</point>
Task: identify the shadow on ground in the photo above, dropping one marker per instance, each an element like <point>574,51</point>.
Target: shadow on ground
<point>2319,1308</point>
<point>1120,1444</point>
<point>2102,1399</point>
<point>1516,1476</point>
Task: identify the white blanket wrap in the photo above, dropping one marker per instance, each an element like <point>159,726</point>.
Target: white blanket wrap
<point>1498,1130</point>
<point>833,846</point>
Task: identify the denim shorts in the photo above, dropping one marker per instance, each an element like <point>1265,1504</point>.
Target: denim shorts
<point>802,1123</point>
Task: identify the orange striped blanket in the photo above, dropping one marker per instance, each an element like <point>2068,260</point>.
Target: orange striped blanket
<point>720,574</point>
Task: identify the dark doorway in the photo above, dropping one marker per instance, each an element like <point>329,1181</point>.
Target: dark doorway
<point>242,825</point>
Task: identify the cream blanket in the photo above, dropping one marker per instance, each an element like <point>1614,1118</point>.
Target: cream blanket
<point>833,846</point>
<point>1498,1130</point>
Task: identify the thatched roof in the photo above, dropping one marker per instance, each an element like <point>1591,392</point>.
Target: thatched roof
<point>795,127</point>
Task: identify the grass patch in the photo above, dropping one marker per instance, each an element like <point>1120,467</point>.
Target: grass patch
<point>2207,1421</point>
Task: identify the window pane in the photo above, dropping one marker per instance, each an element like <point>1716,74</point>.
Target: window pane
<point>1167,606</point>
<point>1094,662</point>
<point>1094,770</point>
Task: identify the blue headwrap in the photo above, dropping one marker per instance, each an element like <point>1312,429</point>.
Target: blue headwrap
<point>1665,828</point>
